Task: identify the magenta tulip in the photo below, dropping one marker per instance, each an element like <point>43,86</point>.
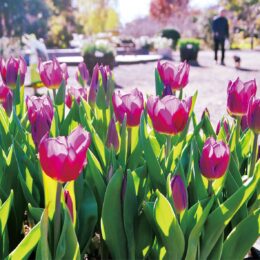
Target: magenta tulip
<point>112,136</point>
<point>174,77</point>
<point>11,69</point>
<point>131,105</point>
<point>239,94</point>
<point>179,193</point>
<point>40,114</point>
<point>253,115</point>
<point>169,115</point>
<point>69,203</point>
<point>105,74</point>
<point>244,123</point>
<point>226,127</point>
<point>75,93</point>
<point>52,73</point>
<point>214,159</point>
<point>63,158</point>
<point>82,74</point>
<point>6,98</point>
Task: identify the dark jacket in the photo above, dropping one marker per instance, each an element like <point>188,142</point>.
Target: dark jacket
<point>220,27</point>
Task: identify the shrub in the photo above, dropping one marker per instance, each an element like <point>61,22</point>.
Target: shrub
<point>172,34</point>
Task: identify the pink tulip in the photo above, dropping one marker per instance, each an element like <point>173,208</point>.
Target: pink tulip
<point>75,93</point>
<point>11,69</point>
<point>82,74</point>
<point>239,94</point>
<point>6,98</point>
<point>131,104</point>
<point>174,77</point>
<point>169,115</point>
<point>94,85</point>
<point>69,203</point>
<point>52,73</point>
<point>112,136</point>
<point>40,114</point>
<point>214,159</point>
<point>253,115</point>
<point>179,193</point>
<point>244,123</point>
<point>63,158</point>
<point>105,74</point>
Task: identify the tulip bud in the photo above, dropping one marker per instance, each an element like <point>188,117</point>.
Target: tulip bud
<point>226,127</point>
<point>69,203</point>
<point>174,77</point>
<point>63,158</point>
<point>214,159</point>
<point>40,114</point>
<point>205,113</point>
<point>169,115</point>
<point>239,94</point>
<point>244,124</point>
<point>11,69</point>
<point>112,136</point>
<point>253,115</point>
<point>131,104</point>
<point>82,75</point>
<point>52,73</point>
<point>75,93</point>
<point>179,193</point>
<point>94,86</point>
<point>167,91</point>
<point>6,98</point>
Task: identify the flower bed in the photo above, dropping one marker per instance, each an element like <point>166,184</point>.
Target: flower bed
<point>117,176</point>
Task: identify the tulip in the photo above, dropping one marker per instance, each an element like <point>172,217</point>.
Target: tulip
<point>239,94</point>
<point>6,98</point>
<point>131,104</point>
<point>69,202</point>
<point>112,136</point>
<point>52,73</point>
<point>169,115</point>
<point>179,193</point>
<point>253,115</point>
<point>63,158</point>
<point>226,127</point>
<point>94,85</point>
<point>214,159</point>
<point>105,74</point>
<point>40,115</point>
<point>11,69</point>
<point>244,123</point>
<point>82,74</point>
<point>175,77</point>
<point>75,93</point>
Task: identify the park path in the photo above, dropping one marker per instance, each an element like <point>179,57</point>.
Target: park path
<point>209,79</point>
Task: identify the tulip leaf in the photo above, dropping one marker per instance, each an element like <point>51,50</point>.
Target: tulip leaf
<point>158,84</point>
<point>112,224</point>
<point>123,144</point>
<point>60,101</point>
<point>246,144</point>
<point>35,213</point>
<point>194,236</point>
<point>129,213</point>
<point>168,227</point>
<point>4,212</point>
<point>26,246</point>
<point>244,235</point>
<point>154,170</point>
<point>217,250</point>
<point>222,215</point>
<point>67,248</point>
<point>101,98</point>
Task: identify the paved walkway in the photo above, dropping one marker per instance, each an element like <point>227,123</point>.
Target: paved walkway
<point>209,79</point>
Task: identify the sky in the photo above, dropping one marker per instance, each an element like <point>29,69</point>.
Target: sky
<point>129,10</point>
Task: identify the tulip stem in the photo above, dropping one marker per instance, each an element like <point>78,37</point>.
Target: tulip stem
<point>253,157</point>
<point>57,216</point>
<point>181,93</point>
<point>54,95</point>
<point>168,146</point>
<point>238,126</point>
<point>129,129</point>
<point>210,188</point>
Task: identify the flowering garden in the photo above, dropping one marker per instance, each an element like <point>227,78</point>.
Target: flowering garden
<point>89,172</point>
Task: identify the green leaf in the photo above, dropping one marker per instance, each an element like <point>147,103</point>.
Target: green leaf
<point>35,213</point>
<point>123,144</point>
<point>244,235</point>
<point>60,101</point>
<point>129,213</point>
<point>4,212</point>
<point>222,215</point>
<point>201,216</point>
<point>26,246</point>
<point>169,228</point>
<point>158,84</point>
<point>112,224</point>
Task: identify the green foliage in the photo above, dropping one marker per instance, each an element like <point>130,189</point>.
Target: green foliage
<point>193,42</point>
<point>172,34</point>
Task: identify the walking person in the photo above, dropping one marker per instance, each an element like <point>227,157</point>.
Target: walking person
<point>220,34</point>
